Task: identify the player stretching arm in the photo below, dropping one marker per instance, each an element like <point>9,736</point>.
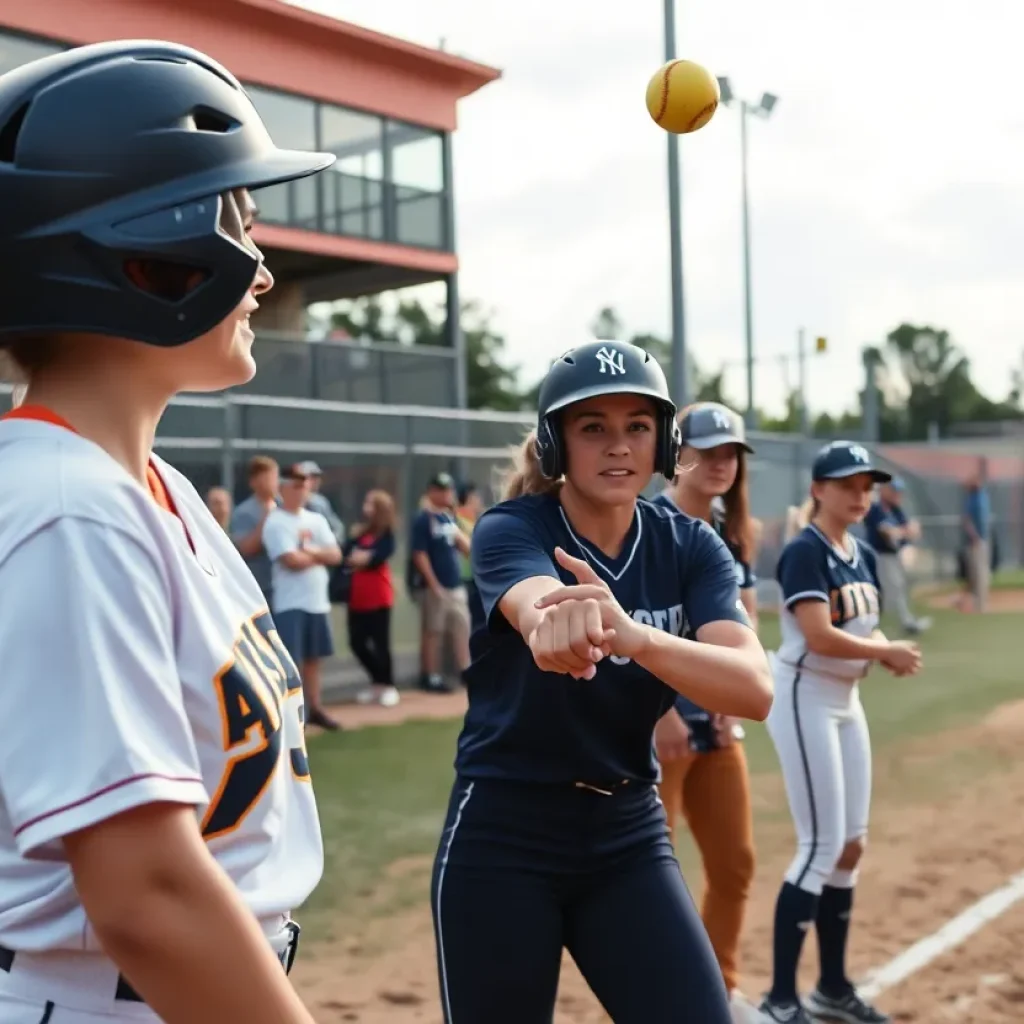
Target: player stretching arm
<point>555,836</point>
<point>157,822</point>
<point>830,637</point>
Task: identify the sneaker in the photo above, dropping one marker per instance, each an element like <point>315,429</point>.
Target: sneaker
<point>317,716</point>
<point>848,1008</point>
<point>742,1010</point>
<point>782,1013</point>
<point>389,697</point>
<point>437,684</point>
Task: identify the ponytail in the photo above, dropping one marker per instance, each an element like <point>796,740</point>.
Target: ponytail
<point>524,476</point>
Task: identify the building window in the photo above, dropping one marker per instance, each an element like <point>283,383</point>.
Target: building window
<point>291,122</point>
<point>417,176</point>
<point>18,50</point>
<point>388,182</point>
<point>353,194</point>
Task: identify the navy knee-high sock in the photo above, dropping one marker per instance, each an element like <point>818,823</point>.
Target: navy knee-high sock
<point>795,909</point>
<point>833,925</point>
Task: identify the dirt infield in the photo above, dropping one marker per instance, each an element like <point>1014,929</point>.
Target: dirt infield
<point>928,860</point>
<point>1002,601</point>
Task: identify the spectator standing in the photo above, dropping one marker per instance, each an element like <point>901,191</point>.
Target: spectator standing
<point>318,502</point>
<point>218,501</point>
<point>301,546</point>
<point>436,544</point>
<point>246,527</point>
<point>372,596</point>
<point>890,531</point>
<point>977,525</point>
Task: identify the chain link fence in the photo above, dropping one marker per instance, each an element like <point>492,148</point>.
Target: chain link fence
<point>362,446</point>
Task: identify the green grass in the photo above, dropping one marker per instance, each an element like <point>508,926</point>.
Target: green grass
<point>382,791</point>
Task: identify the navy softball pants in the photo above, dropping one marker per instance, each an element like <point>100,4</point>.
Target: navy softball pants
<point>526,870</point>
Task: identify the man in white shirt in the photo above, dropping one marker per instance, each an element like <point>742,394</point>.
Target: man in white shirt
<point>301,545</point>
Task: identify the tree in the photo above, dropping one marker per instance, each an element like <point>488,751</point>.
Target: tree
<point>490,381</point>
<point>935,378</point>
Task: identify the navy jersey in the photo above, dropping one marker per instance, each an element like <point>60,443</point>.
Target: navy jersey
<point>880,515</point>
<point>812,568</point>
<point>672,573</point>
<point>694,714</point>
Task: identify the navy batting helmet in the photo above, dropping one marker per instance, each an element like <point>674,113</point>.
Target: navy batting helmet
<point>603,368</point>
<point>123,151</point>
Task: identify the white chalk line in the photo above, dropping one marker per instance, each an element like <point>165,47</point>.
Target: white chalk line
<point>949,936</point>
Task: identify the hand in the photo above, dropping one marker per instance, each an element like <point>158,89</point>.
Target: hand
<point>357,559</point>
<point>671,737</point>
<point>621,634</point>
<point>903,658</point>
<point>725,728</point>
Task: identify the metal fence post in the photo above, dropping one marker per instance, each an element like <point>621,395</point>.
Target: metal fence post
<point>227,452</point>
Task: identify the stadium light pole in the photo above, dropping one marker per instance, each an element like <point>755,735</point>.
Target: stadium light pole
<point>763,110</point>
<point>675,231</point>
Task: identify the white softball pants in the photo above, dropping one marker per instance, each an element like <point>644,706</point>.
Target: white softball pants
<point>821,735</point>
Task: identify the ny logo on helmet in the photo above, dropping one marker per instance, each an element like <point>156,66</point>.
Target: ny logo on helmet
<point>721,420</point>
<point>611,360</point>
<point>859,453</point>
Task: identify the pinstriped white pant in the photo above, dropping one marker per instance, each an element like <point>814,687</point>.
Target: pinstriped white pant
<point>821,736</point>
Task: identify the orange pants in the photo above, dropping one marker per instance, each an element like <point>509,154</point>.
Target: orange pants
<point>712,790</point>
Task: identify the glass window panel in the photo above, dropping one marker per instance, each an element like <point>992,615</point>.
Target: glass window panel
<point>352,189</point>
<point>272,203</point>
<point>419,218</point>
<point>291,120</point>
<point>417,158</point>
<point>16,50</point>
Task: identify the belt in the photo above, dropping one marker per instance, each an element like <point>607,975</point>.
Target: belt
<point>126,994</point>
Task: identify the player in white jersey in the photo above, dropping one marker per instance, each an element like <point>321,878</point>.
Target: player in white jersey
<point>157,822</point>
<point>830,638</point>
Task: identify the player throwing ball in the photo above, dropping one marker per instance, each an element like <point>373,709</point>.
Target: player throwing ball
<point>830,638</point>
<point>555,836</point>
<point>157,822</point>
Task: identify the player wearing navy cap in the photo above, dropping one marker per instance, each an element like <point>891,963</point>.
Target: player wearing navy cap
<point>555,836</point>
<point>157,821</point>
<point>830,638</point>
<point>703,765</point>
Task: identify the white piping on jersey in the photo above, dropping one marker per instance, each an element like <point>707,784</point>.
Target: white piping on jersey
<point>805,594</point>
<point>851,560</point>
<point>589,556</point>
<point>447,1002</point>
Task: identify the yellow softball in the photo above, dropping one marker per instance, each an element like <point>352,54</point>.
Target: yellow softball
<point>682,96</point>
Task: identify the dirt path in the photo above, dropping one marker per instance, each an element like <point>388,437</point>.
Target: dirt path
<point>929,858</point>
<point>998,600</point>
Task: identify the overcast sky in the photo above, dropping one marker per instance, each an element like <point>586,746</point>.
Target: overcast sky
<point>887,186</point>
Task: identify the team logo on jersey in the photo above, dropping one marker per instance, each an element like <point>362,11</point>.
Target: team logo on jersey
<point>671,620</point>
<point>611,360</point>
<point>260,695</point>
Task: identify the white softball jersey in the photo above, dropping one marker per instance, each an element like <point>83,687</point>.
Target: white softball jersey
<point>140,664</point>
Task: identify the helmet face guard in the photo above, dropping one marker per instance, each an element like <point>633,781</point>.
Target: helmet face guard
<point>603,368</point>
<point>122,152</point>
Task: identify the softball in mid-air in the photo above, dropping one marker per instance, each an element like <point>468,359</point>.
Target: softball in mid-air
<point>682,96</point>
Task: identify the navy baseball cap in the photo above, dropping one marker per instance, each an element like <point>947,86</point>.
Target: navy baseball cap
<point>442,481</point>
<point>709,424</point>
<point>841,459</point>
